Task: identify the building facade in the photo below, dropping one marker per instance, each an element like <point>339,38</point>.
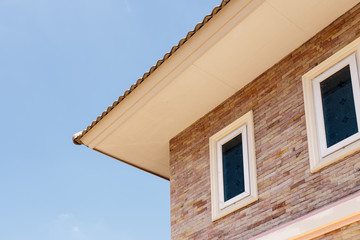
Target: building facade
<point>287,188</point>
<point>254,118</point>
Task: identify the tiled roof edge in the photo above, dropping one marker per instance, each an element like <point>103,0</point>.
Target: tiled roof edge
<point>77,136</point>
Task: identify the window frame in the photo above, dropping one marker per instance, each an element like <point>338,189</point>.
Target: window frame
<point>244,126</point>
<point>351,61</point>
<point>319,154</point>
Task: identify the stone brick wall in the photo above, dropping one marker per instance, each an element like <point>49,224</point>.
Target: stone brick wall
<point>287,189</point>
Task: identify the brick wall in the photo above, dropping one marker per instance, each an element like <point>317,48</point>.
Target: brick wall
<point>287,189</point>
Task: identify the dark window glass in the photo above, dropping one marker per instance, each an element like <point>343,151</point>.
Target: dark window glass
<point>338,105</point>
<point>233,170</point>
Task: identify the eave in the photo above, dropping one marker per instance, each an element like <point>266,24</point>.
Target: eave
<point>238,44</point>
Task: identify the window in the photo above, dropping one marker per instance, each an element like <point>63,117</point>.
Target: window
<point>233,167</point>
<point>332,108</point>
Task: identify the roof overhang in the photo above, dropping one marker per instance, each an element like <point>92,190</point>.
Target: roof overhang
<point>238,44</point>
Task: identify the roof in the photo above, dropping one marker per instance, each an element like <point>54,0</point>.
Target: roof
<point>77,136</point>
<point>239,41</point>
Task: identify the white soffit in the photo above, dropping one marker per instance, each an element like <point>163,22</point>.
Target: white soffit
<point>241,42</point>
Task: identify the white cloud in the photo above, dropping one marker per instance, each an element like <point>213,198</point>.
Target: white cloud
<point>76,229</point>
<point>127,6</point>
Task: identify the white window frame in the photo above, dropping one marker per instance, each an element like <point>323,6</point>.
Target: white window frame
<point>245,127</point>
<point>319,154</point>
<point>351,61</point>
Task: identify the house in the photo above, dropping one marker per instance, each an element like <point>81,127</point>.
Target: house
<point>254,118</point>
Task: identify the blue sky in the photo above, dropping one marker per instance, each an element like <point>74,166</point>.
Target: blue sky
<point>61,64</point>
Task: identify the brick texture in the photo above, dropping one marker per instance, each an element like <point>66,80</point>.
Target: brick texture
<point>287,190</point>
